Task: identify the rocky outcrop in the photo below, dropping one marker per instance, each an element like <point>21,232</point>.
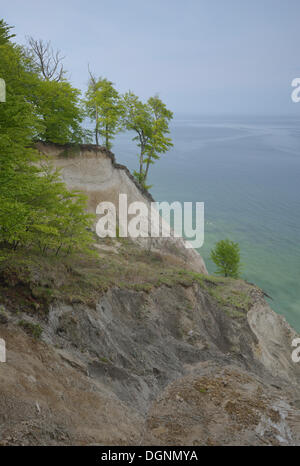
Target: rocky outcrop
<point>172,366</point>
<point>132,347</point>
<point>93,170</point>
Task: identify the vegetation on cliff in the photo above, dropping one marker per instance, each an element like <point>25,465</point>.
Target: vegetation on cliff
<point>150,123</point>
<point>226,256</point>
<point>110,113</point>
<point>104,107</point>
<point>36,209</point>
<point>30,282</point>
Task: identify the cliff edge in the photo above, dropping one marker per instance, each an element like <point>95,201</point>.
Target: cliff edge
<point>94,171</point>
<point>133,346</point>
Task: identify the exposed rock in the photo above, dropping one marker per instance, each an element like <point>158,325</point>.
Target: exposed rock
<point>131,372</point>
<point>94,171</point>
<point>222,406</point>
<point>133,347</point>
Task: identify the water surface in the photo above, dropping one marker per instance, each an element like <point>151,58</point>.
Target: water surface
<point>247,172</point>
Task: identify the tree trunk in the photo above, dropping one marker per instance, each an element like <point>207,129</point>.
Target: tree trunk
<point>96,127</point>
<point>96,136</point>
<point>106,138</point>
<point>147,169</point>
<point>141,160</point>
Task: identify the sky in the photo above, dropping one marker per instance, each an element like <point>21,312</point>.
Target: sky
<point>200,56</point>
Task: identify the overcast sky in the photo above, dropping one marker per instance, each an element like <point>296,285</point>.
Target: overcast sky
<point>201,56</point>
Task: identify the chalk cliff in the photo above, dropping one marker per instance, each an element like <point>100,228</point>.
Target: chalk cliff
<point>134,346</point>
<point>94,171</point>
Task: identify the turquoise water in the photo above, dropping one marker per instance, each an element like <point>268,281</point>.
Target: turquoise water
<point>247,172</point>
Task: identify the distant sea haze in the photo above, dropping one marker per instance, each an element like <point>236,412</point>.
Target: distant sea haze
<point>247,172</point>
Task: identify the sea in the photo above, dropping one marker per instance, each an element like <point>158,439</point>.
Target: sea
<point>246,170</point>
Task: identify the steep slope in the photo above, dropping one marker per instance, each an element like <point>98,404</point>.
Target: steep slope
<point>94,171</point>
<point>137,346</point>
<point>136,349</point>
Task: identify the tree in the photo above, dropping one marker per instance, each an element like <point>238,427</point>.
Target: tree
<point>58,219</point>
<point>56,102</point>
<point>226,256</point>
<point>137,118</point>
<point>159,142</point>
<point>48,62</point>
<point>36,209</point>
<point>5,34</point>
<point>103,106</point>
<point>150,122</point>
<point>61,115</point>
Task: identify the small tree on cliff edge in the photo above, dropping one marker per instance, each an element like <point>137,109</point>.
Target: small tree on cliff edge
<point>137,118</point>
<point>150,122</point>
<point>103,106</point>
<point>159,142</point>
<point>226,256</point>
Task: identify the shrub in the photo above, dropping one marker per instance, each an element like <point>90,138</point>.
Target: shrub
<point>34,330</point>
<point>226,256</point>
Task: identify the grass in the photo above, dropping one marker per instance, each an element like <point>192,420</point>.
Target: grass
<point>104,360</point>
<point>30,282</point>
<point>233,297</point>
<point>34,330</point>
<point>201,389</point>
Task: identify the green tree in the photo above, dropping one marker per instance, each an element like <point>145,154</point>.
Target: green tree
<point>56,102</point>
<point>58,107</point>
<point>159,142</point>
<point>103,106</point>
<point>226,256</point>
<point>137,118</point>
<point>5,34</point>
<point>150,122</point>
<point>36,209</point>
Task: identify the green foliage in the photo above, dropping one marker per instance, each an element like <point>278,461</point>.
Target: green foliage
<point>141,179</point>
<point>29,281</point>
<point>5,35</point>
<point>150,122</point>
<point>34,330</point>
<point>137,118</point>
<point>159,142</point>
<point>201,389</point>
<point>43,105</point>
<point>19,121</point>
<point>226,256</point>
<point>60,112</point>
<point>104,107</point>
<point>36,209</point>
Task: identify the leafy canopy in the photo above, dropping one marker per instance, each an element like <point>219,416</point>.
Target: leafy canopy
<point>61,115</point>
<point>36,209</point>
<point>104,107</point>
<point>150,122</point>
<point>226,256</point>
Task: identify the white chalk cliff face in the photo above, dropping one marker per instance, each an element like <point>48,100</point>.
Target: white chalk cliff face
<point>134,349</point>
<point>93,171</point>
